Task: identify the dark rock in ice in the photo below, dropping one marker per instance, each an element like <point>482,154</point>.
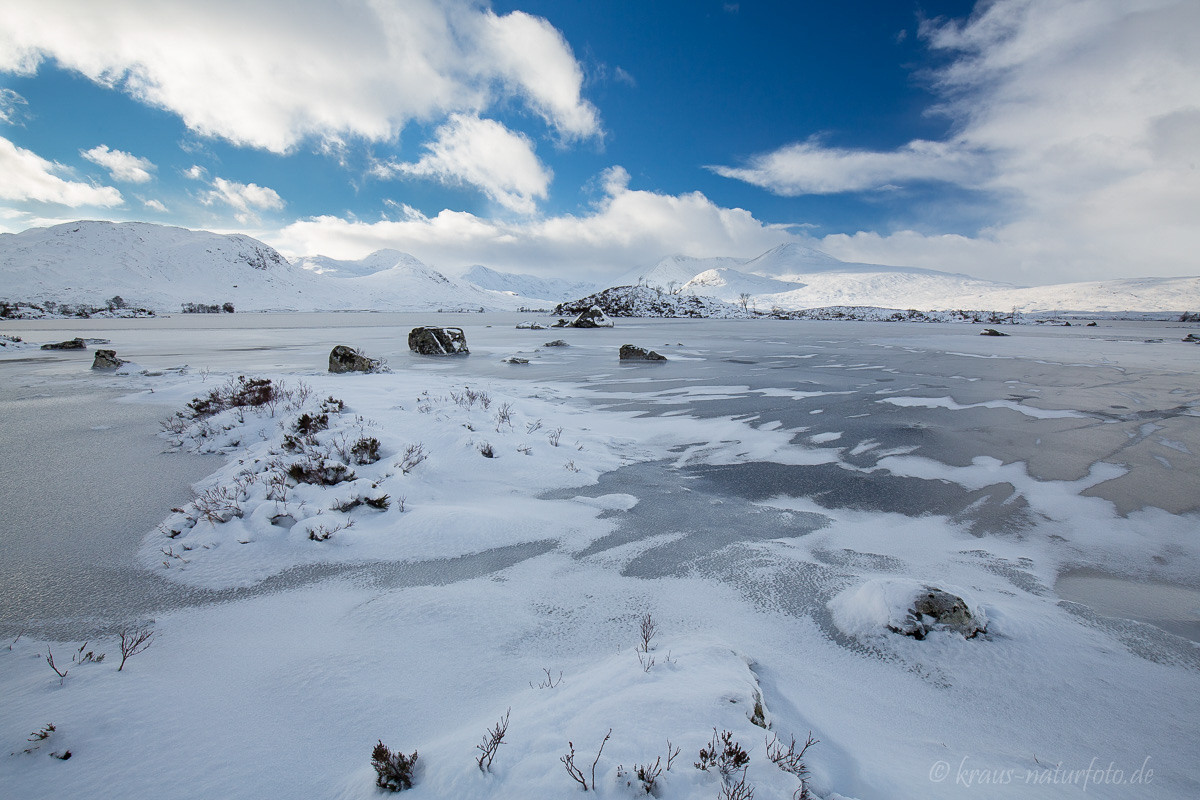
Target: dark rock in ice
<point>631,352</point>
<point>992,332</point>
<point>347,359</point>
<point>72,344</point>
<point>106,359</point>
<point>556,343</point>
<point>434,341</point>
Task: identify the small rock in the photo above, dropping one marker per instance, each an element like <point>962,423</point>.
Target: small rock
<point>1192,337</point>
<point>433,341</point>
<point>530,326</point>
<point>515,360</point>
<point>347,359</point>
<point>631,352</point>
<point>106,359</point>
<point>73,344</point>
<point>992,332</point>
<point>556,343</point>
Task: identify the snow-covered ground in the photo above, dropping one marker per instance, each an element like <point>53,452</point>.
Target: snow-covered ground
<point>774,496</point>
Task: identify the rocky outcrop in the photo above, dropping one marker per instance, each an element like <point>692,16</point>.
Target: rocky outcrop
<point>106,359</point>
<point>347,359</point>
<point>933,609</point>
<point>592,318</point>
<point>646,301</point>
<point>556,343</point>
<point>434,341</point>
<point>71,344</point>
<point>991,332</point>
<point>631,352</point>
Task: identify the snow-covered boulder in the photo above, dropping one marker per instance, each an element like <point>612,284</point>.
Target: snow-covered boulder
<point>905,607</point>
<point>433,341</point>
<point>592,318</point>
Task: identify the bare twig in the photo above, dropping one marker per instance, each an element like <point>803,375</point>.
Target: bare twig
<point>671,754</point>
<point>61,673</point>
<point>598,752</point>
<point>550,681</point>
<point>491,743</point>
<point>648,629</point>
<point>577,774</point>
<point>133,641</point>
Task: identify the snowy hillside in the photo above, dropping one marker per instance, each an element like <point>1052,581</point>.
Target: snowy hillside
<point>161,268</point>
<point>376,262</point>
<point>793,277</point>
<point>530,287</point>
<point>674,271</point>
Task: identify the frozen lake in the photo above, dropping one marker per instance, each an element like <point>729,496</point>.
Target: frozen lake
<point>86,476</point>
<point>768,492</point>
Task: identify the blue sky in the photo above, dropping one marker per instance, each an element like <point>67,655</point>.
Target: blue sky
<point>1026,141</point>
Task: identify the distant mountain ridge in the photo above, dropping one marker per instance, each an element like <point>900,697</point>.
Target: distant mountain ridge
<point>795,276</point>
<point>526,286</point>
<point>162,268</point>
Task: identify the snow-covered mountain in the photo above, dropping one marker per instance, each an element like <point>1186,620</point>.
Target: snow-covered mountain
<point>378,261</point>
<point>162,268</point>
<point>526,286</point>
<point>674,271</point>
<point>794,276</point>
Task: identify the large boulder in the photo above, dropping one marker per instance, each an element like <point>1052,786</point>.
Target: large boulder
<point>433,341</point>
<point>631,352</point>
<point>106,359</point>
<point>906,607</point>
<point>934,609</point>
<point>70,344</point>
<point>347,359</point>
<point>592,318</point>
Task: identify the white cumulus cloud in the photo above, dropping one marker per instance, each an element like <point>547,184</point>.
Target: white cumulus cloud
<point>121,166</point>
<point>484,154</point>
<point>246,199</point>
<point>270,73</point>
<point>627,228</point>
<point>28,176</point>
